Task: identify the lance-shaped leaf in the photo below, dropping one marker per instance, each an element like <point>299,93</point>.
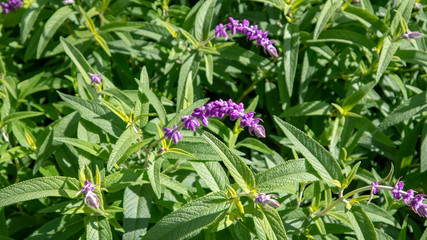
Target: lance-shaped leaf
<point>188,221</point>
<point>290,62</point>
<point>121,147</point>
<point>30,17</point>
<point>289,172</point>
<point>19,115</point>
<point>388,50</point>
<point>97,114</point>
<point>137,201</point>
<point>406,110</point>
<point>271,224</point>
<point>59,228</point>
<point>51,26</point>
<point>97,227</point>
<point>154,174</point>
<point>212,173</point>
<point>88,147</point>
<point>328,10</point>
<point>39,188</point>
<point>237,167</point>
<point>358,95</point>
<point>320,159</point>
<point>361,223</point>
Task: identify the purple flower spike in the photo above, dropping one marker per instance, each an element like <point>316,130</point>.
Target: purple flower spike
<point>173,134</point>
<point>417,202</point>
<point>374,188</point>
<point>251,31</point>
<point>396,190</point>
<point>95,78</point>
<point>11,5</point>
<point>266,199</point>
<point>408,196</point>
<point>412,35</point>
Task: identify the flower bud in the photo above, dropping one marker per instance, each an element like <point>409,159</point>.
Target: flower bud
<point>91,200</point>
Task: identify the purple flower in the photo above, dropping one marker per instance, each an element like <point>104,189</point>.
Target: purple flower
<point>408,196</point>
<point>174,134</point>
<point>412,35</point>
<point>418,6</point>
<point>11,5</point>
<point>396,190</point>
<point>417,203</point>
<point>190,122</point>
<point>95,78</point>
<point>252,123</point>
<point>252,33</point>
<point>374,188</point>
<point>266,199</point>
<point>91,199</point>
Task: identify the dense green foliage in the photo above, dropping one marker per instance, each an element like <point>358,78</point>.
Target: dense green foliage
<point>343,105</point>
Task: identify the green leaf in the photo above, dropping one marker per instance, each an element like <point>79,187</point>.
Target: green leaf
<point>406,110</point>
<point>124,178</point>
<point>237,167</point>
<point>154,175</point>
<point>328,10</point>
<point>20,115</point>
<point>188,221</point>
<point>15,152</point>
<point>189,37</point>
<point>255,144</point>
<point>320,159</point>
<point>30,17</point>
<point>423,148</point>
<point>39,188</point>
<point>137,201</point>
<point>350,175</point>
<point>97,227</point>
<point>202,24</point>
<point>51,26</point>
<point>153,100</point>
<point>285,174</point>
<point>315,108</point>
<point>78,59</point>
<point>361,223</point>
<point>212,174</point>
<point>97,114</point>
<point>354,98</point>
<point>404,11</point>
<point>387,52</point>
<point>122,145</point>
<point>189,68</point>
<point>271,223</point>
<point>368,19</point>
<point>58,228</point>
<point>290,62</point>
<point>91,148</point>
<point>120,27</point>
<point>174,185</point>
<point>209,67</point>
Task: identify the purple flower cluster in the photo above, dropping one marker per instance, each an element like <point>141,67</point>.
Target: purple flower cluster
<point>11,5</point>
<point>252,32</point>
<point>218,108</point>
<point>266,199</point>
<point>415,202</point>
<point>91,199</point>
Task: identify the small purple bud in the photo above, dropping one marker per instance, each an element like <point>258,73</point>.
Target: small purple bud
<point>160,150</point>
<point>412,35</point>
<point>173,134</point>
<point>266,199</point>
<point>190,122</point>
<point>66,2</point>
<point>355,1</point>
<point>418,6</point>
<point>422,210</point>
<point>95,78</point>
<point>398,186</point>
<point>91,199</point>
